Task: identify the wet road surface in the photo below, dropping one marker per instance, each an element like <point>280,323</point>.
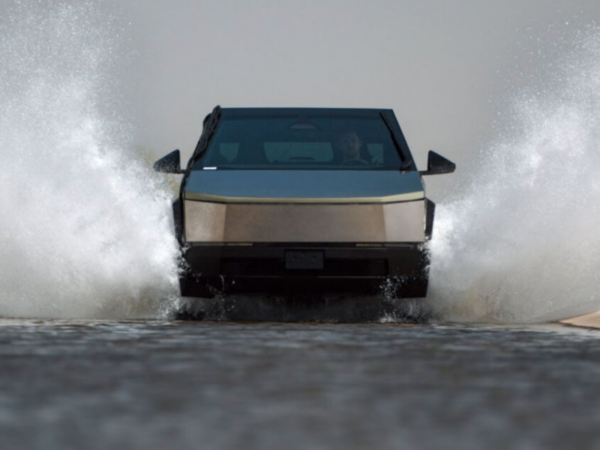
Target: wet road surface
<point>176,384</point>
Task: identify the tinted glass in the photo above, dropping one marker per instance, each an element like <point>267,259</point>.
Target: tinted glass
<point>301,142</point>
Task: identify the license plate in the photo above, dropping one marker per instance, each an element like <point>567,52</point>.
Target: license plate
<point>300,259</point>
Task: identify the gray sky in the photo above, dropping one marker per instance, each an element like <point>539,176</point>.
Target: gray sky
<point>444,66</point>
<point>447,67</point>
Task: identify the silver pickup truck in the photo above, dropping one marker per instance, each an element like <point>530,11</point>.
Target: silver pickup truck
<point>302,201</point>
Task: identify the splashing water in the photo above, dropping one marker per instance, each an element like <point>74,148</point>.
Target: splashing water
<point>521,243</point>
<point>85,228</point>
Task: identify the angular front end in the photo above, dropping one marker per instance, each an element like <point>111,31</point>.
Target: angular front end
<point>298,201</point>
<point>286,245</point>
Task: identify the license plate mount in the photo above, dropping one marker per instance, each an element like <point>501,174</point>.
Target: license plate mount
<point>304,259</point>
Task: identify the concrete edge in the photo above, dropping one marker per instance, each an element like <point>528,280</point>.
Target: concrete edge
<point>591,320</point>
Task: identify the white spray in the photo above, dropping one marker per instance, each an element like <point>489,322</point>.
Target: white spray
<point>85,228</point>
<point>522,243</point>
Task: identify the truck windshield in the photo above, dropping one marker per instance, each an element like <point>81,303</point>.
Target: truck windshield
<point>301,142</point>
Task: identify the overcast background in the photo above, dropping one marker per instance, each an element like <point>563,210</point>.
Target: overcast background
<point>446,67</point>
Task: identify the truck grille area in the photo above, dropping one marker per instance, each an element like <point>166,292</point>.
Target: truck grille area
<point>331,267</point>
<point>335,270</point>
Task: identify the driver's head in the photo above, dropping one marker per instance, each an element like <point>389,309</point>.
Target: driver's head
<point>349,144</point>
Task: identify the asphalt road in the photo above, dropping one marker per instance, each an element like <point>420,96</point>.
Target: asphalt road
<point>179,384</point>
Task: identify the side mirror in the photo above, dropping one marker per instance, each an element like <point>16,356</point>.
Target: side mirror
<point>438,165</point>
<point>170,163</point>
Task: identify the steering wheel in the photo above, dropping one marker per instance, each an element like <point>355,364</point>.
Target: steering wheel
<point>355,162</point>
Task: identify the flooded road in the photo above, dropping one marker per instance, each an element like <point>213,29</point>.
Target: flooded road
<point>176,384</point>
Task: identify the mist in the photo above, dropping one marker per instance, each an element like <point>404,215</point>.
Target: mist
<point>86,228</point>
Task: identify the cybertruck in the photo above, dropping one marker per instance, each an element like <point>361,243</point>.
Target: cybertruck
<point>299,201</point>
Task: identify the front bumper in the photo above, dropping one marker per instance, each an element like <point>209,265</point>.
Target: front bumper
<point>305,269</point>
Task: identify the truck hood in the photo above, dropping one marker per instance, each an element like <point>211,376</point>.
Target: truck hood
<point>304,186</point>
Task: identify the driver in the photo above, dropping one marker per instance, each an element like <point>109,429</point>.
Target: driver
<point>349,145</point>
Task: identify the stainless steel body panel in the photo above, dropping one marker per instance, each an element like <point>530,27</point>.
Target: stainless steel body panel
<point>352,223</point>
<point>253,218</point>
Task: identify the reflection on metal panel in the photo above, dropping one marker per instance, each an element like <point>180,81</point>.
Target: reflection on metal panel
<point>217,222</point>
<point>205,222</point>
<point>404,222</point>
<point>304,223</point>
<point>388,199</point>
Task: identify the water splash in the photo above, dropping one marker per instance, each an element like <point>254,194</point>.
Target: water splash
<point>86,228</point>
<point>521,243</point>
